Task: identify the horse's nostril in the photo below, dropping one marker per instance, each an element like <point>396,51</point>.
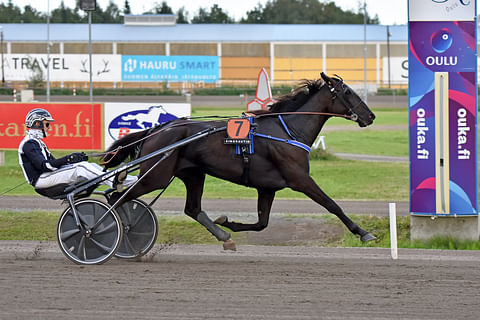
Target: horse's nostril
<point>372,116</point>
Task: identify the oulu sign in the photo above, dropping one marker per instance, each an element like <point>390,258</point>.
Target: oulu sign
<point>443,107</point>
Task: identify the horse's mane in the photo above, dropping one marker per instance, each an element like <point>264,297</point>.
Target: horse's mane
<point>298,97</point>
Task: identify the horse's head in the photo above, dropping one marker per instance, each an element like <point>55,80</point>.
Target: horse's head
<point>346,101</point>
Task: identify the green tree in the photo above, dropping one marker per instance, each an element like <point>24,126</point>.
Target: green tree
<point>64,14</point>
<point>163,8</point>
<point>126,8</point>
<point>182,15</point>
<point>255,15</point>
<point>216,15</point>
<point>31,15</point>
<point>10,13</point>
<point>160,8</point>
<point>274,11</point>
<point>304,12</point>
<point>334,14</point>
<point>112,14</point>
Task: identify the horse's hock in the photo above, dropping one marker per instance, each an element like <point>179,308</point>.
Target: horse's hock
<point>460,227</point>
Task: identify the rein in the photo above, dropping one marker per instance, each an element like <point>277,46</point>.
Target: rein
<point>345,116</point>
<point>352,117</point>
<point>117,150</point>
<point>333,90</point>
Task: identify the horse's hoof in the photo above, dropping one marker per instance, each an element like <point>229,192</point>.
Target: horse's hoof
<point>229,245</point>
<point>368,237</point>
<point>221,220</point>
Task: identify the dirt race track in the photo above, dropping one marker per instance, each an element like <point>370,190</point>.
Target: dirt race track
<point>256,282</point>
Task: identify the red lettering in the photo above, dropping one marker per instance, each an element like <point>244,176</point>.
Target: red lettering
<point>123,132</point>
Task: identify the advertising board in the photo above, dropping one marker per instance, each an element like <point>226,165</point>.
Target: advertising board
<point>443,108</point>
<point>398,70</point>
<point>124,118</point>
<point>170,68</point>
<point>441,10</point>
<point>63,67</point>
<point>77,126</point>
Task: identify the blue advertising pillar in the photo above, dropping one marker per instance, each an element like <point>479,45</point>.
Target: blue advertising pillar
<point>443,118</point>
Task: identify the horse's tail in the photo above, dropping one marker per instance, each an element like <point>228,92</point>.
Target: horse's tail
<point>122,148</point>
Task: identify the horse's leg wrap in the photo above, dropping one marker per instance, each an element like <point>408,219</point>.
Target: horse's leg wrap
<point>219,233</point>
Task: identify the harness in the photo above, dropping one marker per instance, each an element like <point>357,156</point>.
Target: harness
<point>293,141</point>
<point>244,146</point>
<point>244,142</point>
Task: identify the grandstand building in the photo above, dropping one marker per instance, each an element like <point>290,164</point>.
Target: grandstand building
<point>152,51</point>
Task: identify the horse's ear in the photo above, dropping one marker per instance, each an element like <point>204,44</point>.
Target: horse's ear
<point>326,78</point>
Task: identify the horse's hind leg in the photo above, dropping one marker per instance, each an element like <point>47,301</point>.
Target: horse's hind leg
<point>264,204</point>
<point>194,182</point>
<point>312,190</point>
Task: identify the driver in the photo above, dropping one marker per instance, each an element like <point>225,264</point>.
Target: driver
<point>42,170</point>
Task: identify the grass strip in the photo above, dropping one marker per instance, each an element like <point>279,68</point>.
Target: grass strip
<point>41,226</point>
<point>385,143</point>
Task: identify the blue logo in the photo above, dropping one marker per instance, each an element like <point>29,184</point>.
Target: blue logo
<point>137,120</point>
<point>463,2</point>
<point>441,40</point>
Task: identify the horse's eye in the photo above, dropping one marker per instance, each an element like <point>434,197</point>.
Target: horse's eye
<point>347,91</point>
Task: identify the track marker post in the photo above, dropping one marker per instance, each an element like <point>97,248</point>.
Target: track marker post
<point>392,208</point>
<point>263,96</point>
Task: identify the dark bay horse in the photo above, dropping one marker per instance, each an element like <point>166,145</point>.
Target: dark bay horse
<point>275,164</point>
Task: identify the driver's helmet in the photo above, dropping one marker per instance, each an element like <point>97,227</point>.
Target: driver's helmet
<point>37,114</point>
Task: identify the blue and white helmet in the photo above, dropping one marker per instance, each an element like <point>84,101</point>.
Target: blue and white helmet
<point>37,114</point>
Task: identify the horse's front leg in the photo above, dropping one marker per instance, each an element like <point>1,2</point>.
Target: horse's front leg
<point>264,204</point>
<point>308,186</point>
<point>194,182</point>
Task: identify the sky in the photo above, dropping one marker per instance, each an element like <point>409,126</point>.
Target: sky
<point>389,11</point>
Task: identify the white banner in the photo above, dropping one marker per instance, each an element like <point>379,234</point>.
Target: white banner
<point>124,118</point>
<point>441,10</point>
<point>63,67</point>
<point>398,70</point>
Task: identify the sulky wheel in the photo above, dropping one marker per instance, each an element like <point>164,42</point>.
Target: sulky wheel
<point>140,228</point>
<point>96,238</point>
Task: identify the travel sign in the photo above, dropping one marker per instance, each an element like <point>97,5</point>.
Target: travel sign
<point>443,107</point>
